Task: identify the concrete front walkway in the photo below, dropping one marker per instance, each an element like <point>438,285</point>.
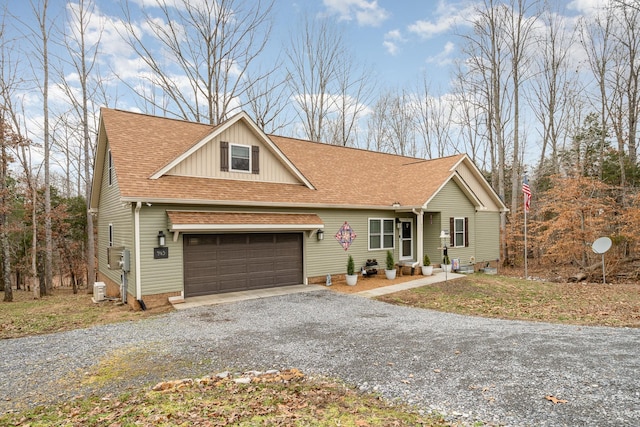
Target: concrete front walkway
<point>287,290</point>
<point>422,281</point>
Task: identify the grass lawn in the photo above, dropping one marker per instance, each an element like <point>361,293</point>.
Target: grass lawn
<point>63,311</point>
<point>510,298</point>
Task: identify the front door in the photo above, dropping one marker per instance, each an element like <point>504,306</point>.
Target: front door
<point>406,239</point>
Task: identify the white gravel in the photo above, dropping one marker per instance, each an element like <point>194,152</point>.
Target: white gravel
<point>468,368</point>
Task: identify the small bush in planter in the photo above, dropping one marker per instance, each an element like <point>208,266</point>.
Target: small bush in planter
<point>390,262</point>
<point>426,261</point>
<point>350,266</point>
<point>446,260</point>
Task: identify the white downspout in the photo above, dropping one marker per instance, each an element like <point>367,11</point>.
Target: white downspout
<point>136,244</point>
<point>420,234</point>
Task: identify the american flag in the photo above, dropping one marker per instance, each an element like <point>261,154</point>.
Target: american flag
<point>527,194</point>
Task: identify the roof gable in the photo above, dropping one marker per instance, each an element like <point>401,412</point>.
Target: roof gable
<point>202,158</point>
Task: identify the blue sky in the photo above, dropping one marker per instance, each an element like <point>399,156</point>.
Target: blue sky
<point>398,40</point>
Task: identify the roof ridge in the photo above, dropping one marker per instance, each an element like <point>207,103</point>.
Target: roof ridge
<point>332,146</point>
<point>151,116</point>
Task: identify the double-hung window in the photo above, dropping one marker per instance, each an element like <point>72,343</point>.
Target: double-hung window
<point>381,233</point>
<point>240,158</point>
<point>460,237</point>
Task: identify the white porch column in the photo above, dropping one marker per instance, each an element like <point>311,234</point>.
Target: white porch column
<point>419,235</point>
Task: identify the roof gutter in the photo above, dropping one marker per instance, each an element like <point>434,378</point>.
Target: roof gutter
<point>264,204</point>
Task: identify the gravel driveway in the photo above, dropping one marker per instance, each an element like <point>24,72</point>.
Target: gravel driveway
<point>469,368</point>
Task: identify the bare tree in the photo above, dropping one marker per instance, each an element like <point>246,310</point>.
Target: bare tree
<point>400,122</point>
<point>518,33</point>
<point>378,135</point>
<point>470,118</point>
<point>625,77</point>
<point>597,40</point>
<point>314,57</point>
<point>207,51</point>
<point>434,119</point>
<point>555,87</point>
<point>83,58</point>
<point>40,38</point>
<point>486,75</point>
<point>267,100</point>
<point>354,92</point>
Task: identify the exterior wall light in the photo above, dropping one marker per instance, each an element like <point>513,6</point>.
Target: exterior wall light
<point>320,235</point>
<point>161,238</point>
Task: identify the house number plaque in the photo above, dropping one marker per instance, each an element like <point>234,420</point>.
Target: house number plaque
<point>159,253</point>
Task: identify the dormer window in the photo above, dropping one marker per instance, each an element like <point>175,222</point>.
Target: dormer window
<point>240,158</point>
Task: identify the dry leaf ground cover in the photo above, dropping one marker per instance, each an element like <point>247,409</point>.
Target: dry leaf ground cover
<point>62,311</point>
<point>286,399</point>
<point>512,298</point>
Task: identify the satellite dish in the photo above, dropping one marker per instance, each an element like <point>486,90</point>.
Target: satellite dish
<point>601,245</point>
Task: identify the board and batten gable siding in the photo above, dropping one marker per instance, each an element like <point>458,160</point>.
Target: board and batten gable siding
<point>112,211</point>
<point>159,275</point>
<point>479,190</point>
<point>452,202</point>
<point>205,162</point>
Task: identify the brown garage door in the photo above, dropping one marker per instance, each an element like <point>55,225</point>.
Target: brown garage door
<point>217,263</point>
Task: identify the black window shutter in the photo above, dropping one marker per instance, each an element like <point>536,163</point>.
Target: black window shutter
<point>255,159</point>
<point>452,232</point>
<point>224,156</point>
<point>466,232</point>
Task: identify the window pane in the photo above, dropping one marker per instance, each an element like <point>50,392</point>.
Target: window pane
<point>459,225</point>
<point>388,226</point>
<point>374,242</point>
<point>239,158</point>
<point>374,226</point>
<point>388,241</point>
<point>459,239</point>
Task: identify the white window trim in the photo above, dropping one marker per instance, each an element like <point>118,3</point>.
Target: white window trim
<point>382,234</point>
<point>231,169</point>
<point>456,231</point>
<point>110,235</point>
<point>413,232</point>
<point>109,168</point>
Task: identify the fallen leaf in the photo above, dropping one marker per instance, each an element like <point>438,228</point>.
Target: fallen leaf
<point>555,400</point>
<point>437,371</point>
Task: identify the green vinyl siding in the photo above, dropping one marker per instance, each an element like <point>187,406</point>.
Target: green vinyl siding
<point>451,202</point>
<point>165,274</point>
<point>488,232</point>
<point>112,211</point>
<point>431,237</point>
<point>328,257</point>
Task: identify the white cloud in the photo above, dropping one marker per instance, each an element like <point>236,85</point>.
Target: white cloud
<point>444,57</point>
<point>588,7</point>
<point>366,13</point>
<point>447,17</point>
<point>391,42</point>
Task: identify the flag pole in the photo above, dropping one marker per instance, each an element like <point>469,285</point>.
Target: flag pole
<point>526,195</point>
<point>524,207</point>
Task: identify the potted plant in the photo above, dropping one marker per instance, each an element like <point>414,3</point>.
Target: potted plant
<point>446,263</point>
<point>427,268</point>
<point>352,278</point>
<point>390,271</point>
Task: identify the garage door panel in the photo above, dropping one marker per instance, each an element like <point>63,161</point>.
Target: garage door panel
<point>234,262</point>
